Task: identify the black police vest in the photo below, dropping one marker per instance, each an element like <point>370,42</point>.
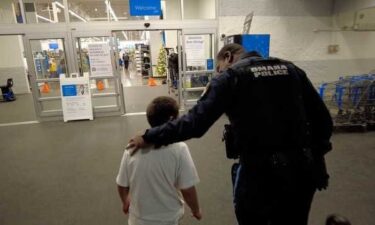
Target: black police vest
<point>267,111</point>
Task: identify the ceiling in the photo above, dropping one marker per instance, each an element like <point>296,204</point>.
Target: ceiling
<point>92,10</point>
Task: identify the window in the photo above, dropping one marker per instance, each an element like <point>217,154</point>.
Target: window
<point>44,11</point>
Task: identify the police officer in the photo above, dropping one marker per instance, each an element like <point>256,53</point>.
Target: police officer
<point>280,128</point>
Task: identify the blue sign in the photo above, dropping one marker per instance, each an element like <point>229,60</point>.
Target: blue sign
<point>257,42</point>
<point>145,7</point>
<point>69,90</point>
<point>53,46</point>
<point>210,64</point>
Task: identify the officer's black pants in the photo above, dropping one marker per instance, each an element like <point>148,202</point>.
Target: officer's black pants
<point>272,196</point>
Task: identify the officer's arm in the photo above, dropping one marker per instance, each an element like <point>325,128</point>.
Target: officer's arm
<point>199,119</point>
<point>317,114</point>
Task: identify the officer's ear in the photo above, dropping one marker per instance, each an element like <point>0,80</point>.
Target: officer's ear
<point>228,56</point>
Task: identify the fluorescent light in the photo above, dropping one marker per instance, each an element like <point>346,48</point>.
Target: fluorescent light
<point>71,12</point>
<point>78,16</point>
<point>45,19</point>
<point>59,4</point>
<point>125,36</point>
<point>111,10</point>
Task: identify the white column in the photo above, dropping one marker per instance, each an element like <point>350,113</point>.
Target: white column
<point>6,12</point>
<point>11,56</point>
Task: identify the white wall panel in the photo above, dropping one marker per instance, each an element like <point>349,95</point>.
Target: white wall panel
<point>291,24</point>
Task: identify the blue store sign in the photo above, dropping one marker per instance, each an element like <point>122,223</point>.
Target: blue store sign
<point>257,42</point>
<point>210,64</point>
<point>69,90</point>
<point>145,7</point>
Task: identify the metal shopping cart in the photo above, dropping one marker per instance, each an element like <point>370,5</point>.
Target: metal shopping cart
<point>351,101</point>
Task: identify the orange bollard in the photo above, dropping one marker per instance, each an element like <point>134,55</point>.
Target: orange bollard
<point>46,88</point>
<point>151,82</point>
<point>100,85</point>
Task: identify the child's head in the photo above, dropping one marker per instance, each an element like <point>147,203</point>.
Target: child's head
<point>161,110</point>
<point>337,220</point>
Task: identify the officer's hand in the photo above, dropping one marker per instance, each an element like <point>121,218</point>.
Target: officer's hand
<point>136,143</point>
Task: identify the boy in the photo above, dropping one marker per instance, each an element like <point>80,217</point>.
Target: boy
<point>149,184</point>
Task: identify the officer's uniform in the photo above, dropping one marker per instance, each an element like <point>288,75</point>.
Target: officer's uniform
<point>275,114</point>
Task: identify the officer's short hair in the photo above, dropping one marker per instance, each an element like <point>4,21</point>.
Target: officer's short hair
<point>161,110</point>
<point>337,220</point>
<point>232,48</point>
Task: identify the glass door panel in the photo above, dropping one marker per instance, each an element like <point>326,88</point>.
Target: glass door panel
<point>102,70</point>
<point>47,61</point>
<point>148,61</point>
<point>198,64</point>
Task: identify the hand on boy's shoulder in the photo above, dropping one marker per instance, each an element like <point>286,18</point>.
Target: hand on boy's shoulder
<point>135,144</point>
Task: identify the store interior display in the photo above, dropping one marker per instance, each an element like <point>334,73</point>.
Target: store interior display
<point>49,64</point>
<point>143,60</point>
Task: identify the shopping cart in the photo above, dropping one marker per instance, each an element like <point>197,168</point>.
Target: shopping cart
<point>351,100</point>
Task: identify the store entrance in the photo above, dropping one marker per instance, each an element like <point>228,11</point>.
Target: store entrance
<point>53,55</point>
<point>149,65</point>
<point>133,67</point>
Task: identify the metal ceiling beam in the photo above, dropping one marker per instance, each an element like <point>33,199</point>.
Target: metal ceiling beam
<point>9,29</point>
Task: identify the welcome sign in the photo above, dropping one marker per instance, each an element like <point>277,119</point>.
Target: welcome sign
<point>145,7</point>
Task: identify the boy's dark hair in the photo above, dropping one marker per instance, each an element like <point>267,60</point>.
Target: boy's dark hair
<point>337,220</point>
<point>161,110</point>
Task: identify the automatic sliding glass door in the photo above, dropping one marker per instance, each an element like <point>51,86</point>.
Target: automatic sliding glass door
<point>95,55</point>
<point>47,61</point>
<point>149,64</point>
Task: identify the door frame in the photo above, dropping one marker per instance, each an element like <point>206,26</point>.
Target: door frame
<point>214,44</point>
<point>99,111</point>
<point>38,100</point>
<point>70,51</point>
<point>179,33</point>
<point>68,32</point>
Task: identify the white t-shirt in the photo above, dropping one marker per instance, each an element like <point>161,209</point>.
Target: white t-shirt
<point>154,177</point>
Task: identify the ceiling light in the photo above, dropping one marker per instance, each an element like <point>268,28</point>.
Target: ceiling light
<point>71,12</point>
<point>59,4</point>
<point>109,7</point>
<point>45,19</point>
<point>78,16</point>
<point>125,36</point>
